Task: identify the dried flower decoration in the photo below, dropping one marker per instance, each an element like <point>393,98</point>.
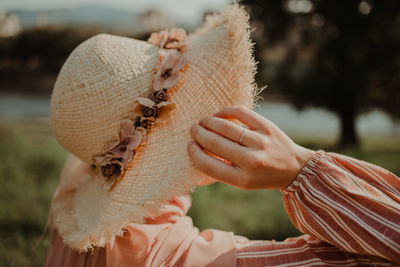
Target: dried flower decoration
<point>168,74</point>
<point>114,162</point>
<point>172,39</point>
<point>151,109</point>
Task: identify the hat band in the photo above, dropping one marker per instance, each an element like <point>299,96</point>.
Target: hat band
<point>113,164</point>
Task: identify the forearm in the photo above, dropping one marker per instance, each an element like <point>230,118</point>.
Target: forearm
<point>301,251</point>
<point>348,203</point>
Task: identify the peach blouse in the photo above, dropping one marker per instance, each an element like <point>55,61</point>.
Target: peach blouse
<point>348,210</point>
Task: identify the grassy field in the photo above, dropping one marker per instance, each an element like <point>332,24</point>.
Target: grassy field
<point>31,160</point>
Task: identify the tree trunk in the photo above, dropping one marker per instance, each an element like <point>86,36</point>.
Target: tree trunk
<point>348,132</point>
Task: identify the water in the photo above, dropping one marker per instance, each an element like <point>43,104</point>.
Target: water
<point>321,122</point>
<point>21,106</point>
<point>309,122</point>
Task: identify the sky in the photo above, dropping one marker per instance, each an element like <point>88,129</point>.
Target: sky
<point>184,9</point>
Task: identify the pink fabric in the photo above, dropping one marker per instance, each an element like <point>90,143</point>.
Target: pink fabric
<point>348,209</point>
<point>170,239</point>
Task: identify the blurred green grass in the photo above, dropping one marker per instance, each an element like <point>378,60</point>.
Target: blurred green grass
<point>29,168</point>
<point>31,160</point>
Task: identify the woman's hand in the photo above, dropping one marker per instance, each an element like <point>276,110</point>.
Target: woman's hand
<point>266,157</point>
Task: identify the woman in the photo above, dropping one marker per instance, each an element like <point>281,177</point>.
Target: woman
<point>124,109</point>
<point>348,209</point>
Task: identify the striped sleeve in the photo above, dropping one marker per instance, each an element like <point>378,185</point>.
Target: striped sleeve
<point>304,250</point>
<point>348,203</point>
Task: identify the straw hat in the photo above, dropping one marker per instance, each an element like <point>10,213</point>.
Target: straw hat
<point>96,98</point>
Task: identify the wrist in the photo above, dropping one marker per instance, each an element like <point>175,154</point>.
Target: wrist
<point>301,156</point>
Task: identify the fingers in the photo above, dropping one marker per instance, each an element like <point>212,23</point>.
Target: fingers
<point>218,145</point>
<point>230,130</point>
<point>212,166</point>
<point>246,116</point>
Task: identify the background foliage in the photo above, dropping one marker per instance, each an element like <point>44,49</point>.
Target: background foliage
<point>339,55</point>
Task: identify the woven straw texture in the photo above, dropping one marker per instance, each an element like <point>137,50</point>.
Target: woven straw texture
<point>96,90</point>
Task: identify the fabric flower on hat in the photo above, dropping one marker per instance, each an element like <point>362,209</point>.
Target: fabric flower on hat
<point>153,110</point>
<point>115,161</point>
<point>172,39</point>
<point>155,106</point>
<point>160,95</point>
<point>168,75</point>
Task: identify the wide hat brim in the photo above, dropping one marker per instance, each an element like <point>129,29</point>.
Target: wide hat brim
<point>220,73</point>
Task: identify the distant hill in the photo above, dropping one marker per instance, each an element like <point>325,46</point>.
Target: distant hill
<point>101,16</point>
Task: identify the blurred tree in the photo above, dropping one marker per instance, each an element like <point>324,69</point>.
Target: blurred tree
<point>31,60</point>
<point>341,55</point>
